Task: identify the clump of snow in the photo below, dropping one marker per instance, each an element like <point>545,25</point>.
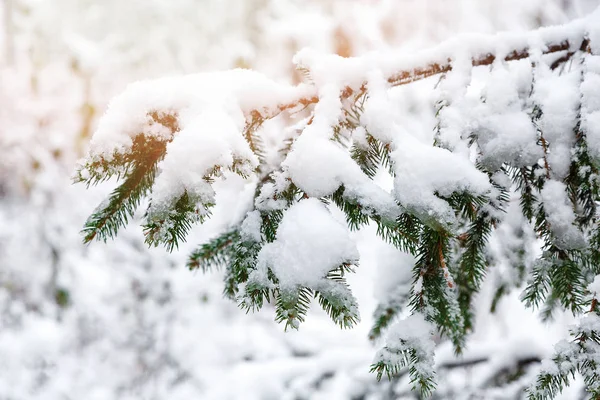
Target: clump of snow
<point>319,166</point>
<point>413,328</point>
<point>451,103</point>
<point>212,140</point>
<point>309,244</point>
<point>267,199</point>
<point>186,97</point>
<point>423,172</point>
<point>594,287</point>
<point>591,105</point>
<point>411,334</point>
<point>250,228</point>
<point>560,215</point>
<point>559,98</point>
<point>504,131</point>
<point>590,323</point>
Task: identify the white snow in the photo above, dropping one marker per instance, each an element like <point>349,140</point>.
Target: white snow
<point>423,170</point>
<point>212,139</point>
<point>416,333</point>
<point>309,244</point>
<point>559,98</point>
<point>319,166</point>
<point>250,228</point>
<point>187,97</point>
<point>135,315</point>
<point>591,104</point>
<point>413,328</point>
<point>560,215</point>
<point>594,287</point>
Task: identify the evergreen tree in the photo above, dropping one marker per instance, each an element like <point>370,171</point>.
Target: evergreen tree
<point>530,134</point>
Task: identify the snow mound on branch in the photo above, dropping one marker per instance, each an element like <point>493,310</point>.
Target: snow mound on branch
<point>504,131</point>
<point>309,244</point>
<point>425,172</point>
<point>559,98</point>
<point>561,216</point>
<point>594,287</point>
<point>414,328</point>
<point>353,71</point>
<point>422,172</point>
<point>212,139</point>
<point>185,97</point>
<point>591,104</point>
<point>319,166</point>
<point>411,334</point>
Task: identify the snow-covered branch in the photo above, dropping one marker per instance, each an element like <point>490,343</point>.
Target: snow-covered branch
<point>528,130</point>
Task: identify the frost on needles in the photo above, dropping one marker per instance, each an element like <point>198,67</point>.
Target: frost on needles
<point>527,133</point>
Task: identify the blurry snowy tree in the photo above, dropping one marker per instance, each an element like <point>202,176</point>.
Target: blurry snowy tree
<point>117,322</point>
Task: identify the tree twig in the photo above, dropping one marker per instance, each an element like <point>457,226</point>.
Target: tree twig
<point>431,69</point>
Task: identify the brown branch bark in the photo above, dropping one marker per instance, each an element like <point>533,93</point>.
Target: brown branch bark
<point>405,77</point>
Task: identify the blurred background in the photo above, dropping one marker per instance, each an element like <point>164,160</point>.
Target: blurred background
<point>120,321</point>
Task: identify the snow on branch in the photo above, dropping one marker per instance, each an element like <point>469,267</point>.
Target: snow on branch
<point>527,129</point>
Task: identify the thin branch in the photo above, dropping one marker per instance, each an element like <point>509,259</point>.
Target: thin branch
<point>431,69</point>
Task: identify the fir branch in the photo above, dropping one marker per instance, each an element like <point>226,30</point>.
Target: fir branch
<point>403,234</point>
<point>560,273</point>
<point>243,260</point>
<point>526,181</point>
<point>251,135</point>
<point>270,222</point>
<point>386,312</point>
<point>539,284</point>
<point>578,356</point>
<point>472,263</point>
<point>341,308</point>
<point>500,292</point>
<point>432,287</point>
<point>292,305</point>
<point>216,252</point>
<point>582,181</point>
<point>336,299</point>
<point>140,172</point>
<point>171,225</point>
<point>567,282</point>
<point>371,155</point>
<point>355,217</point>
<point>392,359</point>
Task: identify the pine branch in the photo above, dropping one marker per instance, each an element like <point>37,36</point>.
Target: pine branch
<point>140,171</point>
<point>371,155</point>
<point>291,306</point>
<point>472,262</point>
<point>243,261</point>
<point>407,353</point>
<point>578,356</point>
<point>171,225</point>
<point>433,292</point>
<point>432,68</point>
<point>337,300</point>
<point>355,217</point>
<point>450,267</point>
<point>217,252</point>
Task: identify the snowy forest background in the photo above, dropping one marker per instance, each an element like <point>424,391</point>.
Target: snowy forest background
<point>121,321</point>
